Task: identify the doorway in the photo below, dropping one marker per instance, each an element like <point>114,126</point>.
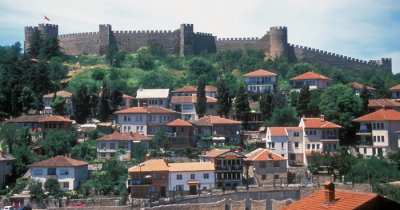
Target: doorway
<point>162,191</point>
<point>193,190</point>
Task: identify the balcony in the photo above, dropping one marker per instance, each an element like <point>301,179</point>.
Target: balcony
<point>229,168</point>
<point>329,138</point>
<point>51,177</point>
<point>135,182</point>
<point>364,133</point>
<point>259,82</point>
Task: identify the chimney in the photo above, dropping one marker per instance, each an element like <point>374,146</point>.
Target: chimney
<point>147,156</point>
<point>166,161</point>
<point>329,192</point>
<point>322,117</point>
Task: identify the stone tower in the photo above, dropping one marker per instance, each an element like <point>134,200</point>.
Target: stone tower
<point>46,31</point>
<point>186,39</point>
<point>105,37</point>
<point>278,42</point>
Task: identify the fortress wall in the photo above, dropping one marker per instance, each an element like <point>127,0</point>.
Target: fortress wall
<point>311,55</point>
<point>223,44</point>
<point>131,41</point>
<point>80,43</point>
<point>203,42</point>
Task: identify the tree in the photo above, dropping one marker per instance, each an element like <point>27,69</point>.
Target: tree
<point>116,97</point>
<point>242,105</point>
<point>113,56</point>
<point>58,142</point>
<point>26,137</point>
<point>201,69</point>
<point>36,191</point>
<point>80,102</point>
<point>189,152</point>
<point>104,107</point>
<point>35,44</point>
<point>157,50</point>
<point>27,100</point>
<point>224,101</point>
<point>364,96</point>
<point>201,98</point>
<point>144,59</point>
<point>313,105</point>
<point>50,48</point>
<point>53,187</point>
<point>94,101</point>
<point>23,157</point>
<point>59,106</point>
<point>285,116</point>
<point>10,135</point>
<point>266,105</point>
<point>86,151</point>
<point>304,99</point>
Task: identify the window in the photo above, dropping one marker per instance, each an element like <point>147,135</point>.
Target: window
<point>273,145</point>
<point>123,145</point>
<point>365,150</point>
<point>292,156</point>
<point>296,134</point>
<point>383,138</point>
<point>283,145</point>
<point>150,118</point>
<point>313,146</point>
<point>65,184</point>
<point>317,146</point>
<point>163,176</point>
<point>205,176</point>
<point>296,144</point>
<point>64,171</point>
<point>276,163</point>
<point>374,138</point>
<point>103,155</point>
<point>179,176</point>
<point>379,138</point>
<point>187,106</point>
<point>192,176</point>
<point>103,146</point>
<point>153,189</point>
<point>211,106</point>
<point>51,171</point>
<point>124,118</point>
<point>276,176</point>
<point>308,146</point>
<point>129,118</point>
<point>112,154</point>
<point>262,164</point>
<point>37,172</point>
<point>112,145</point>
<point>283,155</point>
<point>154,176</point>
<point>174,141</point>
<point>263,177</point>
<point>179,187</point>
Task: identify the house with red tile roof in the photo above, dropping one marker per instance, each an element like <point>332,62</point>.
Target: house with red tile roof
<point>190,90</point>
<point>331,198</point>
<point>395,92</point>
<point>260,80</point>
<point>313,80</point>
<point>358,87</point>
<point>180,135</point>
<point>145,120</point>
<point>377,104</point>
<point>287,142</point>
<point>152,97</point>
<point>186,105</point>
<point>264,167</point>
<point>228,167</point>
<point>319,135</point>
<point>378,132</point>
<point>223,131</point>
<point>69,172</point>
<point>127,102</point>
<point>48,99</point>
<point>107,146</point>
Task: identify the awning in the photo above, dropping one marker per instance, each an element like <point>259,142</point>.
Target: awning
<point>193,182</point>
<point>218,138</point>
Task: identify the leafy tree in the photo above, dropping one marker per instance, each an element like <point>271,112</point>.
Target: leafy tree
<point>104,107</point>
<point>26,137</point>
<point>224,101</point>
<point>86,151</point>
<point>23,157</point>
<point>35,44</point>
<point>199,67</point>
<point>59,106</point>
<point>116,97</point>
<point>285,116</point>
<point>50,48</point>
<point>112,173</point>
<point>144,59</point>
<point>10,135</point>
<point>113,56</point>
<point>378,82</point>
<point>53,187</point>
<point>159,145</point>
<point>293,98</point>
<point>229,59</point>
<point>58,142</point>
<point>266,105</point>
<point>201,98</point>
<point>36,191</point>
<point>80,102</point>
<point>94,101</point>
<point>27,99</point>
<point>156,79</point>
<point>364,96</point>
<point>190,153</point>
<point>242,105</point>
<point>157,50</point>
<point>313,105</point>
<point>304,99</point>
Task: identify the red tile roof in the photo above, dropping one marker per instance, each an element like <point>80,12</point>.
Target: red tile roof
<point>281,131</point>
<point>343,200</point>
<point>383,103</point>
<point>59,161</point>
<point>127,96</point>
<point>397,87</point>
<point>356,85</point>
<point>194,89</point>
<point>131,136</point>
<point>215,153</point>
<point>150,165</point>
<point>40,118</point>
<point>258,73</point>
<point>380,115</point>
<point>319,123</point>
<point>149,109</point>
<point>398,132</point>
<point>192,166</point>
<point>211,120</point>
<point>263,155</point>
<point>191,99</point>
<point>61,93</point>
<point>55,118</point>
<point>179,122</point>
<point>310,75</point>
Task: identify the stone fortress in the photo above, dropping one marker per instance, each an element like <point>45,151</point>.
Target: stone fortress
<point>185,41</point>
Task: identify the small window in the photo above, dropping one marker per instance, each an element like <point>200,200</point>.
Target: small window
<point>179,176</point>
<point>153,189</point>
<point>103,145</point>
<point>51,171</point>
<point>379,138</point>
<point>205,176</point>
<point>112,154</point>
<point>383,138</point>
<point>276,176</point>
<point>263,177</point>
<point>276,164</point>
<point>112,145</point>
<point>374,138</point>
<point>296,144</point>
<point>103,155</point>
<point>38,172</point>
<point>192,176</point>
<point>308,146</point>
<point>262,164</point>
<point>296,134</point>
<point>317,146</point>
<point>154,176</point>
<point>283,145</point>
<point>64,171</point>
<point>65,185</point>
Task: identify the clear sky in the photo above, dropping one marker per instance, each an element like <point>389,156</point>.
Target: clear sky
<point>363,29</point>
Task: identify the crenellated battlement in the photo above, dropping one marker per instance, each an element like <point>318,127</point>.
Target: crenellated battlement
<point>144,32</point>
<point>203,34</point>
<point>79,34</point>
<point>239,39</point>
<point>48,25</point>
<point>278,27</point>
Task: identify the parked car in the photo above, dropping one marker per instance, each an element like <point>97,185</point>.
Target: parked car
<point>76,205</point>
<point>24,208</point>
<point>8,208</point>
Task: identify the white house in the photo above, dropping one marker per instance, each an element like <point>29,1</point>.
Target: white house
<point>190,90</point>
<point>48,99</point>
<point>284,141</point>
<point>191,177</point>
<point>69,172</point>
<point>152,97</point>
<point>186,105</point>
<point>260,80</point>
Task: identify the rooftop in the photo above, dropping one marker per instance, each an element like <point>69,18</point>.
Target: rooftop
<point>310,75</point>
<point>127,96</point>
<point>319,123</point>
<point>356,85</point>
<point>149,110</point>
<point>383,103</point>
<point>150,165</point>
<point>179,122</point>
<point>215,153</point>
<point>4,157</point>
<point>212,120</point>
<point>191,99</point>
<point>192,166</point>
<point>397,87</point>
<point>184,89</point>
<point>131,136</point>
<point>281,131</point>
<point>260,72</point>
<point>261,154</point>
<point>152,93</point>
<point>380,115</point>
<point>55,118</point>
<point>61,93</point>
<point>40,118</point>
<point>59,161</point>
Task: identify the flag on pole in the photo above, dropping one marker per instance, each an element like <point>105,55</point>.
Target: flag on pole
<point>45,17</point>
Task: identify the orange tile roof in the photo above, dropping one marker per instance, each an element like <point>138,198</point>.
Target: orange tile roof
<point>149,110</point>
<point>319,123</point>
<point>131,136</point>
<point>55,118</point>
<point>383,103</point>
<point>380,115</point>
<point>215,153</point>
<point>127,96</point>
<point>259,72</point>
<point>61,93</point>
<point>310,75</point>
<point>263,155</point>
<point>397,87</point>
<point>398,132</point>
<point>192,166</point>
<point>40,118</point>
<point>359,86</point>
<point>191,99</point>
<point>281,131</point>
<point>179,122</point>
<point>59,161</point>
<point>343,200</point>
<point>150,165</point>
<point>183,89</point>
<point>211,120</point>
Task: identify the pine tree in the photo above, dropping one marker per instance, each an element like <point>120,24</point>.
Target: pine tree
<point>365,96</point>
<point>266,105</point>
<point>104,107</point>
<point>59,106</point>
<point>304,99</point>
<point>201,98</point>
<point>224,102</point>
<point>80,102</point>
<point>27,99</point>
<point>94,101</point>
<point>242,105</point>
<point>35,44</point>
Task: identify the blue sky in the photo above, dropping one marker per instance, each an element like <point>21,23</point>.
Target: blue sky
<point>363,29</point>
